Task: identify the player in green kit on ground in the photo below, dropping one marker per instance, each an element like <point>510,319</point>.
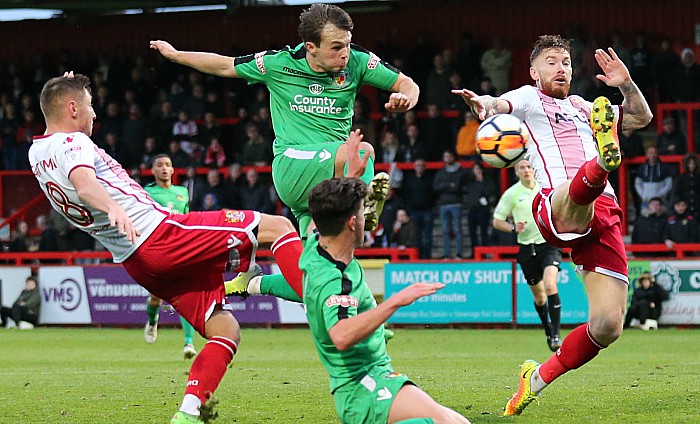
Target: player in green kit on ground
<point>313,87</point>
<point>346,322</point>
<point>176,198</point>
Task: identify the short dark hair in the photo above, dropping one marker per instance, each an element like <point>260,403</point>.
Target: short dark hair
<point>57,88</point>
<point>315,18</point>
<point>333,201</point>
<point>545,42</point>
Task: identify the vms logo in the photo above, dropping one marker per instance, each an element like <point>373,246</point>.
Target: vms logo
<point>316,88</point>
<point>67,294</point>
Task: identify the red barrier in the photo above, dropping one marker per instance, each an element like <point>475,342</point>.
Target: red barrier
<point>24,258</point>
<point>679,251</point>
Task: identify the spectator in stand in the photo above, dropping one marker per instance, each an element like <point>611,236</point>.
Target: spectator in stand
<point>436,133</point>
<point>485,87</point>
<point>449,185</point>
<point>620,46</point>
<point>414,148</point>
<point>389,148</point>
<point>403,233</point>
<point>419,200</point>
<point>361,120</point>
<point>257,151</point>
<point>239,129</point>
<point>113,147</point>
<point>197,153</point>
<point>480,196</point>
<point>671,141</point>
<point>210,203</point>
<point>469,60</point>
<point>682,226</point>
<point>211,128</point>
<point>654,179</point>
<point>21,240</point>
<point>255,195</point>
<point>666,60</point>
<point>686,186</point>
<point>112,122</point>
<point>466,137</point>
<point>176,95</point>
<point>60,223</point>
<point>184,129</point>
<point>646,303</point>
<point>162,123</point>
<point>496,63</point>
<point>686,80</point>
<point>651,228</point>
<point>213,104</point>
<point>438,82</point>
<point>180,159</point>
<point>25,310</point>
<point>9,124</point>
<point>641,65</point>
<point>48,238</point>
<point>265,123</point>
<point>631,144</point>
<point>194,105</point>
<point>134,132</point>
<point>25,136</point>
<point>149,152</point>
<point>215,156</point>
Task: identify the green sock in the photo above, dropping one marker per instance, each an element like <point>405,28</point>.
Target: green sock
<point>277,286</point>
<point>152,312</point>
<point>189,331</point>
<point>369,171</point>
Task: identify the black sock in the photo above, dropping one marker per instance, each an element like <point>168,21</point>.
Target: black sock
<point>542,312</point>
<point>554,303</point>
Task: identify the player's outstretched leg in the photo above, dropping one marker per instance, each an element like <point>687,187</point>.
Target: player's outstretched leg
<point>238,286</point>
<point>605,133</point>
<point>524,396</point>
<point>188,351</point>
<point>378,189</point>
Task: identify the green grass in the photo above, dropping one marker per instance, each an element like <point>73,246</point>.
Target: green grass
<point>112,376</point>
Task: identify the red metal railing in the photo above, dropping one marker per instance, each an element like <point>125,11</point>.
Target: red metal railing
<point>679,251</point>
<point>70,258</point>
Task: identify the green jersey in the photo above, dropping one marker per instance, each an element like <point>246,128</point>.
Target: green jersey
<point>334,291</point>
<point>517,201</point>
<point>309,107</point>
<point>176,197</point>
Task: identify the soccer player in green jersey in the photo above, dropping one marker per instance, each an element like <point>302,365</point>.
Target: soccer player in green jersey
<point>538,260</point>
<point>312,93</point>
<point>346,322</point>
<point>176,198</point>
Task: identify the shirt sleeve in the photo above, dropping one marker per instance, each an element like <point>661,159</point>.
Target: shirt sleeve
<point>253,67</point>
<point>504,208</point>
<point>77,150</point>
<point>520,101</point>
<point>376,72</point>
<point>337,301</point>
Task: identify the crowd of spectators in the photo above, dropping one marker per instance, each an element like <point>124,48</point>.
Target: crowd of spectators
<point>146,105</point>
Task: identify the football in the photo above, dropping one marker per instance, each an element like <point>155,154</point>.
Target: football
<point>501,140</point>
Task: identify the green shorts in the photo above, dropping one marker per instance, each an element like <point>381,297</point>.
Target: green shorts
<point>370,399</point>
<point>297,170</point>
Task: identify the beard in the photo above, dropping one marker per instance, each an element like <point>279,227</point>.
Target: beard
<point>555,90</point>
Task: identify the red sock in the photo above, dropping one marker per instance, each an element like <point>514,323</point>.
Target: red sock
<point>588,183</point>
<point>287,250</point>
<point>209,367</point>
<point>579,347</point>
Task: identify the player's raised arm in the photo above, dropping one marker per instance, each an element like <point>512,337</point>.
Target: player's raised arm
<point>615,74</point>
<point>351,331</point>
<point>209,63</point>
<point>405,94</point>
<point>482,106</point>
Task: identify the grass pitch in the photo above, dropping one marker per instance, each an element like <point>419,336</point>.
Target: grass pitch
<point>111,376</point>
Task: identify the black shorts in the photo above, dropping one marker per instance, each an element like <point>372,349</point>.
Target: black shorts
<point>534,258</point>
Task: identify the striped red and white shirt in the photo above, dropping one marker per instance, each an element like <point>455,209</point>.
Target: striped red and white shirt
<point>561,138</point>
<point>53,157</point>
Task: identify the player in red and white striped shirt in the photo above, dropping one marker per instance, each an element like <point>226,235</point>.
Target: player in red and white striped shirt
<point>573,147</point>
<point>180,258</point>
